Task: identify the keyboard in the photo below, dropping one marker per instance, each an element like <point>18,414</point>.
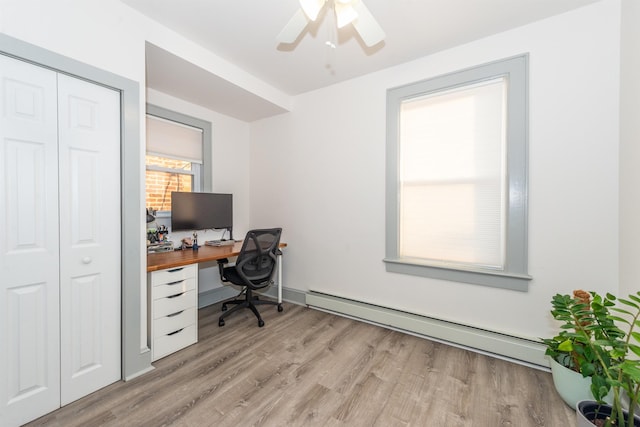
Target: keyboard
<point>219,242</point>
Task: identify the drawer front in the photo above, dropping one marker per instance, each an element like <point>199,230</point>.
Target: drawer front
<point>173,322</point>
<point>174,304</point>
<point>173,288</point>
<point>173,274</point>
<point>168,344</point>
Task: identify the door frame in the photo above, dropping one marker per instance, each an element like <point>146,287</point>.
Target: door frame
<point>136,359</point>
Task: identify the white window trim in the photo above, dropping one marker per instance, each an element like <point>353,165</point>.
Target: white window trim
<point>514,276</point>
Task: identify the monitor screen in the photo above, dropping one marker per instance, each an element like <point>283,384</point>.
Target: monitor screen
<point>201,211</point>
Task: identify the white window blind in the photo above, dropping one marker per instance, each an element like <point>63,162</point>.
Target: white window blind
<point>166,138</point>
<point>453,176</point>
<point>456,159</point>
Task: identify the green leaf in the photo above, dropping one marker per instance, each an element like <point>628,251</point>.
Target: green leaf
<point>631,369</point>
<point>635,349</point>
<point>635,298</point>
<point>565,346</point>
<point>587,369</point>
<point>599,387</point>
<point>621,310</point>
<point>617,353</point>
<point>629,303</point>
<point>620,319</point>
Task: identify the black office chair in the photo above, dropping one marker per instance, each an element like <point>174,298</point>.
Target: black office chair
<point>254,269</point>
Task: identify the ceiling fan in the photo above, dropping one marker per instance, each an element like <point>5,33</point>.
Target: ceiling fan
<point>352,12</point>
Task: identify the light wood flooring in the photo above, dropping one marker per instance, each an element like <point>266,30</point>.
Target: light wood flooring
<point>310,368</point>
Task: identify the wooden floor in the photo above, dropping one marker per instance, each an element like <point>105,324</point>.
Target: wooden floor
<point>310,368</point>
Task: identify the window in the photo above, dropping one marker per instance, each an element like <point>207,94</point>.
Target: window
<point>177,158</point>
<point>457,176</point>
<point>167,174</point>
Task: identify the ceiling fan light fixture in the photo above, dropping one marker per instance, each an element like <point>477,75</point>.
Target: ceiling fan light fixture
<point>312,8</point>
<point>346,11</point>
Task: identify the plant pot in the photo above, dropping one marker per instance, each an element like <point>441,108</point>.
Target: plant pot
<point>586,411</point>
<point>571,385</point>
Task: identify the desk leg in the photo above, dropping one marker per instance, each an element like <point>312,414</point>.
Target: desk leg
<point>279,279</point>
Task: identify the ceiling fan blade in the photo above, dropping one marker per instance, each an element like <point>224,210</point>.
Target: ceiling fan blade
<point>345,14</point>
<point>367,26</point>
<point>312,8</point>
<point>294,28</point>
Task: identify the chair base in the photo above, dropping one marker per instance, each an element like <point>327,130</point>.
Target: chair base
<point>249,302</point>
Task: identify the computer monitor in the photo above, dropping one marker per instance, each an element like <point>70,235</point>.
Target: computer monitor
<point>201,211</point>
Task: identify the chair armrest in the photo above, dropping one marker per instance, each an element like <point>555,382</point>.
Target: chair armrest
<point>221,264</point>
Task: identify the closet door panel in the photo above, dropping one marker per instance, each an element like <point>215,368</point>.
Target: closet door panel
<point>85,329</point>
<point>29,255</point>
<point>90,236</point>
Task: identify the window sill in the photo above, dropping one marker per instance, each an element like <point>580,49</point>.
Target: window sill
<point>496,279</point>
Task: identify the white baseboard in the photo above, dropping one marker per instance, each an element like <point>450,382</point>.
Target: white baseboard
<point>293,296</point>
<point>515,349</point>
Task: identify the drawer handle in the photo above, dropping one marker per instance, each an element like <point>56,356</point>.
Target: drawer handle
<point>173,333</point>
<point>177,282</point>
<point>176,295</point>
<point>175,314</point>
<point>175,269</point>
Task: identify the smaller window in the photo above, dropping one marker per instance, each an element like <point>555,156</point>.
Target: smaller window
<point>177,157</point>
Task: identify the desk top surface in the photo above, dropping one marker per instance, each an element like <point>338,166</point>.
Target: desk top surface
<point>163,260</point>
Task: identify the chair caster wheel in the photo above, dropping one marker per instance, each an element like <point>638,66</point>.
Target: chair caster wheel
<point>261,323</point>
<point>224,307</point>
<point>280,308</point>
<point>221,322</point>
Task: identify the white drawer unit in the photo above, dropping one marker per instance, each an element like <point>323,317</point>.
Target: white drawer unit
<point>173,309</point>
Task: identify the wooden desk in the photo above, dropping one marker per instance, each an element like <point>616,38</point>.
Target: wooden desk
<point>173,259</point>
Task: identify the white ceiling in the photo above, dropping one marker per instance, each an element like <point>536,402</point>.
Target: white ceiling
<point>244,32</point>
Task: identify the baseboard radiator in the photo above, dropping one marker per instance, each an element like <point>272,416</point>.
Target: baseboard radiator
<point>515,349</point>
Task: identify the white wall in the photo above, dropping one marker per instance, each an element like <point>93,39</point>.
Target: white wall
<point>630,150</point>
<point>94,32</point>
<point>319,171</point>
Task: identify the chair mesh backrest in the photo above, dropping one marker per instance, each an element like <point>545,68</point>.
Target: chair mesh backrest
<point>258,256</point>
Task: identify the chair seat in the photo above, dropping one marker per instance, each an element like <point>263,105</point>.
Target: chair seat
<point>231,274</point>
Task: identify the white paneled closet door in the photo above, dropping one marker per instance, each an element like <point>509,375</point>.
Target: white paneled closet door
<point>59,240</point>
<point>89,159</point>
<point>29,254</point>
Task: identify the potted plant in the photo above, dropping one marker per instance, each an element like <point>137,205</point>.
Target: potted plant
<point>606,330</point>
<point>567,354</point>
